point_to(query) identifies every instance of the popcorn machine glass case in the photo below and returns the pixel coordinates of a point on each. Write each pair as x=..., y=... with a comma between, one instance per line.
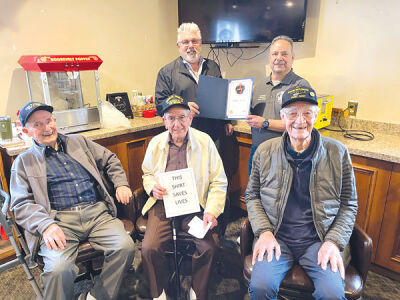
x=70, y=84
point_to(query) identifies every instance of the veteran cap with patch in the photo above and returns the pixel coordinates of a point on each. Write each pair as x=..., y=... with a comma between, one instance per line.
x=172, y=101
x=29, y=108
x=299, y=93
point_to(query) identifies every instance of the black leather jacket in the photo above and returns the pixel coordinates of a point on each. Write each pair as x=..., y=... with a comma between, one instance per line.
x=175, y=78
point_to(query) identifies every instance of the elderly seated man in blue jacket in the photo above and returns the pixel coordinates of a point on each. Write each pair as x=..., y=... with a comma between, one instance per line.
x=60, y=196
x=178, y=148
x=302, y=203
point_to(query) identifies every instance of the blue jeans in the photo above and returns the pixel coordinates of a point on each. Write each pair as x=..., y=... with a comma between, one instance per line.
x=267, y=276
x=253, y=149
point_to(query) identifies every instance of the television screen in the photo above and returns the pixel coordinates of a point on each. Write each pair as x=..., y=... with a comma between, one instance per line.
x=248, y=21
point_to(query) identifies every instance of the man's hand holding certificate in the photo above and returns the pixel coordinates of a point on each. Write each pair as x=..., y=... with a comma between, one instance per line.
x=224, y=99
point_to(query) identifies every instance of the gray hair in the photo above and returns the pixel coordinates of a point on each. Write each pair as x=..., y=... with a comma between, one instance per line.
x=283, y=38
x=189, y=27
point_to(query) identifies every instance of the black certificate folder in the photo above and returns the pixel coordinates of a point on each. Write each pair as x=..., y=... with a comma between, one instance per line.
x=224, y=99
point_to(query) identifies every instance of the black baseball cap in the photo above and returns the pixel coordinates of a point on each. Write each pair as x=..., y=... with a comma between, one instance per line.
x=173, y=101
x=29, y=108
x=299, y=93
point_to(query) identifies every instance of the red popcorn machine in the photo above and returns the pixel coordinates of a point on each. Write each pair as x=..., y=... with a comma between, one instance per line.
x=69, y=83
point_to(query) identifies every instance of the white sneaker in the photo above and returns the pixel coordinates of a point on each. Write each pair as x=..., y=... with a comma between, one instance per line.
x=90, y=297
x=163, y=296
x=192, y=294
x=86, y=296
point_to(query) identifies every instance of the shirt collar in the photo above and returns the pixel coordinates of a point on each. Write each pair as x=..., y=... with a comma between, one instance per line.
x=185, y=141
x=307, y=153
x=285, y=80
x=190, y=69
x=60, y=142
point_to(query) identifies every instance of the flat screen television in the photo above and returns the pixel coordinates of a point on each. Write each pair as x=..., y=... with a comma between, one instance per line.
x=245, y=21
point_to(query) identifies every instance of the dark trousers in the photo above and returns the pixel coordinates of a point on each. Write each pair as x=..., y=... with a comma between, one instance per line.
x=156, y=239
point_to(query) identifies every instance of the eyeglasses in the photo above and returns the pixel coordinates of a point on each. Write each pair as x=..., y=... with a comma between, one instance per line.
x=187, y=42
x=294, y=114
x=40, y=125
x=171, y=119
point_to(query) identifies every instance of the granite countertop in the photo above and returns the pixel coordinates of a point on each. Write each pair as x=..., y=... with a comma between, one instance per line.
x=383, y=147
x=137, y=124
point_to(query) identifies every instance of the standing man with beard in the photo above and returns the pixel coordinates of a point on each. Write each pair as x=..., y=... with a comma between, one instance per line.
x=181, y=77
x=265, y=119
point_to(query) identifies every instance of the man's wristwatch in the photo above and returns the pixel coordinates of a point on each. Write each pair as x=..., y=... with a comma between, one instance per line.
x=265, y=124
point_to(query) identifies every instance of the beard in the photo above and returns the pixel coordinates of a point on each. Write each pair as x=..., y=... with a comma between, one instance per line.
x=192, y=55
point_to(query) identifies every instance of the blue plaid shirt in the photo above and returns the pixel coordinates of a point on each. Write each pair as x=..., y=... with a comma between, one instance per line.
x=68, y=183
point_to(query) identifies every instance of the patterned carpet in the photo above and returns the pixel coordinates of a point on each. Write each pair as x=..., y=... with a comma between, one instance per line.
x=226, y=282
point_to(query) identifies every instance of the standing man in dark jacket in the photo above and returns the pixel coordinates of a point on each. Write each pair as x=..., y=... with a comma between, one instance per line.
x=302, y=203
x=181, y=77
x=265, y=119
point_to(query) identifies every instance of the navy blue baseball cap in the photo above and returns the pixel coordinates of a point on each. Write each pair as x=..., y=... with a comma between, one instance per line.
x=173, y=101
x=29, y=108
x=299, y=93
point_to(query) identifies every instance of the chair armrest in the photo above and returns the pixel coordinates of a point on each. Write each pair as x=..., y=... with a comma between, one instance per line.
x=4, y=201
x=139, y=198
x=246, y=239
x=361, y=250
x=126, y=211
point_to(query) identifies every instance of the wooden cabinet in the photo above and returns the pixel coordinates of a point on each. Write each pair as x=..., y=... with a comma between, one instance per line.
x=131, y=154
x=372, y=181
x=130, y=149
x=238, y=153
x=388, y=252
x=378, y=190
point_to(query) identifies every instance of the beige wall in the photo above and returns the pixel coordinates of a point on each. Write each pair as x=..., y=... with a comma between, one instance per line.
x=134, y=38
x=346, y=51
x=351, y=51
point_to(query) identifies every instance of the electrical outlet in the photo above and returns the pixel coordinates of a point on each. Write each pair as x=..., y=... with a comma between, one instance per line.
x=352, y=107
x=339, y=112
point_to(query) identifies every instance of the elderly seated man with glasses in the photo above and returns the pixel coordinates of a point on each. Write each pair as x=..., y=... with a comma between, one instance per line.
x=302, y=203
x=60, y=197
x=177, y=148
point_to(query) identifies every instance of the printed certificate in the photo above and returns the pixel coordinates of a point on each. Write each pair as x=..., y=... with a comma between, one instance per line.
x=224, y=99
x=239, y=98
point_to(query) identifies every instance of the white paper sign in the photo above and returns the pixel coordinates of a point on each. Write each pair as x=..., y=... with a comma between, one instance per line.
x=197, y=229
x=182, y=196
x=239, y=98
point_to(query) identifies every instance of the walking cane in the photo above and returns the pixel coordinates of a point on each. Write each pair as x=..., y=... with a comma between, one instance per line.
x=177, y=278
